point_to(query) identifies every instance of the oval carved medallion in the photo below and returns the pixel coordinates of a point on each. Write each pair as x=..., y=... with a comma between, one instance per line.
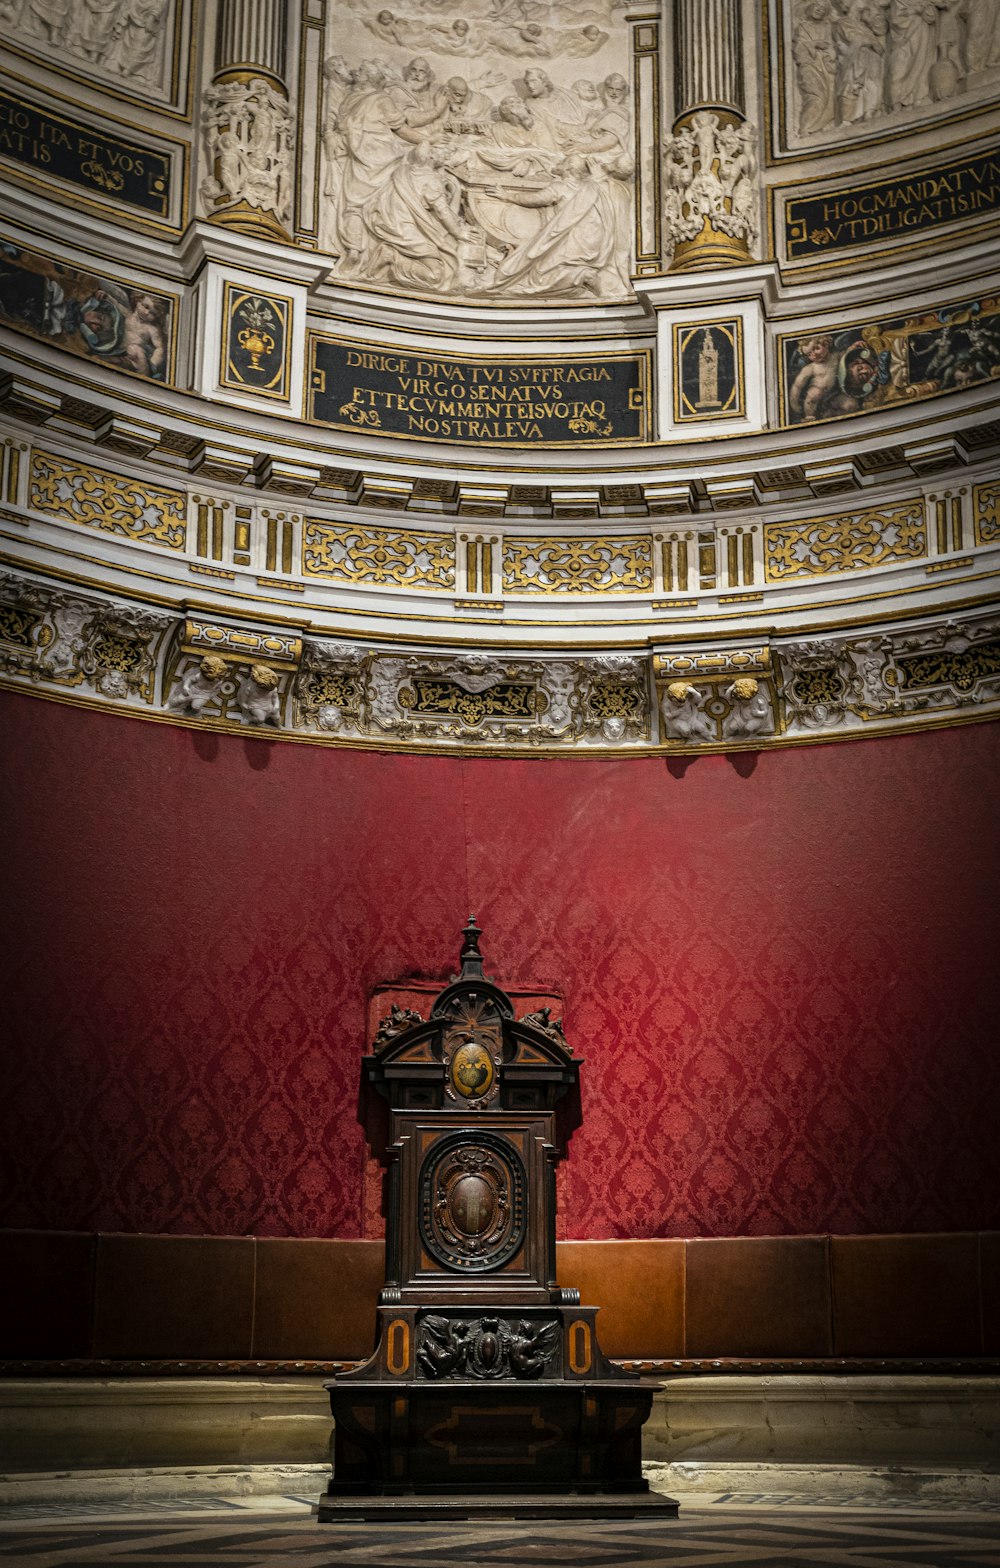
x=472, y=1201
x=472, y=1206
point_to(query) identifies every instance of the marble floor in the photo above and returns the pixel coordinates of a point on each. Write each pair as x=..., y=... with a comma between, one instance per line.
x=712, y=1531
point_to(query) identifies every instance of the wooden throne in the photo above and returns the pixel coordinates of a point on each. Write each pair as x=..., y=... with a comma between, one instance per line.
x=488, y=1392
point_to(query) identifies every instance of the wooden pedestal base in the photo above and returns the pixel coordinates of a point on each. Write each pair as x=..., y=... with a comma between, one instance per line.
x=565, y=1505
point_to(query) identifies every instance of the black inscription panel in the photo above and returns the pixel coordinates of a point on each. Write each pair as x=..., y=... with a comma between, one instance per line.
x=53, y=145
x=520, y=402
x=886, y=209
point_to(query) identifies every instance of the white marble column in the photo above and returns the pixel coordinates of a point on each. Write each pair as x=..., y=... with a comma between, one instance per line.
x=711, y=194
x=252, y=35
x=247, y=122
x=708, y=55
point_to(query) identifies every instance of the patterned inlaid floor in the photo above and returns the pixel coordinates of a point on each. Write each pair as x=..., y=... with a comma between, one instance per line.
x=711, y=1532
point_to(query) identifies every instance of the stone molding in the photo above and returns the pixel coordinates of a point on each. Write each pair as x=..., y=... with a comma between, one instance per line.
x=817, y=1419
x=680, y=699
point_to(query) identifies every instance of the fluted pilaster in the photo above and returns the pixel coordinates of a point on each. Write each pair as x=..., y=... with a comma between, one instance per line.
x=708, y=51
x=247, y=122
x=252, y=35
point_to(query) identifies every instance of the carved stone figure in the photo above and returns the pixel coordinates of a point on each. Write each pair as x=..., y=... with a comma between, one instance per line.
x=577, y=248
x=199, y=685
x=982, y=41
x=683, y=718
x=69, y=617
x=257, y=696
x=44, y=19
x=750, y=713
x=383, y=686
x=815, y=57
x=248, y=137
x=873, y=658
x=912, y=53
x=135, y=37
x=90, y=27
x=711, y=175
x=412, y=223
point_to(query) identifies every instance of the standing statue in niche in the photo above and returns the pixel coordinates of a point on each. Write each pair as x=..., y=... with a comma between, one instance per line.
x=482, y=178
x=708, y=372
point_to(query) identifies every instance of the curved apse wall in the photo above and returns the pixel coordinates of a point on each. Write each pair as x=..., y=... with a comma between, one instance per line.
x=778, y=969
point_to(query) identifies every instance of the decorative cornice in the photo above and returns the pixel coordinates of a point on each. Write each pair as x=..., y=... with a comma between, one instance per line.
x=151, y=663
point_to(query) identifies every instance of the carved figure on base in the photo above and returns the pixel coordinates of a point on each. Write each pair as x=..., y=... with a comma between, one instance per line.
x=751, y=711
x=257, y=696
x=199, y=685
x=683, y=718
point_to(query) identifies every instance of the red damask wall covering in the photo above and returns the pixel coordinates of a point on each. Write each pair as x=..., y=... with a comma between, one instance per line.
x=781, y=976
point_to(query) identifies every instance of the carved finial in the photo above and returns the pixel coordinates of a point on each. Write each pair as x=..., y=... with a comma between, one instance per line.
x=471, y=958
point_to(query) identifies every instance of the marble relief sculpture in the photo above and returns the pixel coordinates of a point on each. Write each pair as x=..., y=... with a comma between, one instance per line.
x=489, y=154
x=247, y=129
x=710, y=173
x=856, y=61
x=124, y=38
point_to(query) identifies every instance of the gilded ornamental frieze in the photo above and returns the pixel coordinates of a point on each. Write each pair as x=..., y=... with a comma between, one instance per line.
x=986, y=509
x=677, y=699
x=97, y=498
x=592, y=565
x=845, y=541
x=400, y=558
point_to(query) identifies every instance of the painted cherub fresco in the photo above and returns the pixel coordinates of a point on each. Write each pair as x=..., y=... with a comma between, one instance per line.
x=834, y=373
x=817, y=377
x=96, y=317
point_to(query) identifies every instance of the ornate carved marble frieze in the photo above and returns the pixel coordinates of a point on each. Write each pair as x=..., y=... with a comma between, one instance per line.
x=852, y=67
x=745, y=694
x=129, y=47
x=482, y=155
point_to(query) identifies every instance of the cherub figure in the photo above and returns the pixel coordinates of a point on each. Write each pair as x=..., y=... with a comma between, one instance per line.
x=751, y=711
x=144, y=343
x=199, y=685
x=257, y=696
x=683, y=718
x=817, y=378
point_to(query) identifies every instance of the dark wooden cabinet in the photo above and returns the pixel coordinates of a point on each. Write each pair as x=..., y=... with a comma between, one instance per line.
x=487, y=1390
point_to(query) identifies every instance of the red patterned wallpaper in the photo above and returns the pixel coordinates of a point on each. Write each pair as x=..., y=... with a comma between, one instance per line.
x=782, y=977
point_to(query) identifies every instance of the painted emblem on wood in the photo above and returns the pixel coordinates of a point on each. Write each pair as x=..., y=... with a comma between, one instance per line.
x=472, y=1071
